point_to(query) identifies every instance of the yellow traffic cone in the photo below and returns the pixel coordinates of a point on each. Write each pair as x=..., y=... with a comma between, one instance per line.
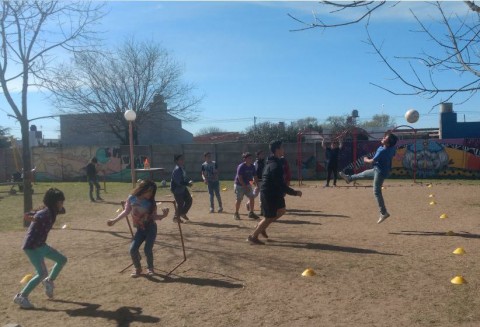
x=450, y=233
x=26, y=278
x=64, y=226
x=443, y=216
x=433, y=203
x=431, y=196
x=458, y=280
x=224, y=189
x=308, y=272
x=459, y=251
x=429, y=185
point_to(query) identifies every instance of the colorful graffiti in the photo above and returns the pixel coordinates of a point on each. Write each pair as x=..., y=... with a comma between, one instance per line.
x=69, y=163
x=450, y=158
x=437, y=158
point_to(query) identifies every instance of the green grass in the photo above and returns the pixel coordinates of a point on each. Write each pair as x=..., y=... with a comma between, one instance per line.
x=11, y=206
x=76, y=195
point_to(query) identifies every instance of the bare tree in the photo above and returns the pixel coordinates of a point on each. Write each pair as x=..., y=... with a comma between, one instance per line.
x=32, y=32
x=3, y=137
x=107, y=83
x=209, y=130
x=266, y=132
x=453, y=49
x=383, y=120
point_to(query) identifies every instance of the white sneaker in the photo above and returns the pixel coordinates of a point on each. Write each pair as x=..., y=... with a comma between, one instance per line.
x=383, y=217
x=220, y=209
x=212, y=210
x=49, y=286
x=347, y=178
x=23, y=302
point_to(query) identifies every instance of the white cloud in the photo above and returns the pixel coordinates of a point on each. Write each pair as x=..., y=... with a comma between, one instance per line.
x=392, y=11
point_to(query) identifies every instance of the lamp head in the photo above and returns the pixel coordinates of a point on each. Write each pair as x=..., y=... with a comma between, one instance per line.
x=130, y=115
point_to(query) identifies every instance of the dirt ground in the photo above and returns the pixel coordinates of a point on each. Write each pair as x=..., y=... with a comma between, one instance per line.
x=396, y=273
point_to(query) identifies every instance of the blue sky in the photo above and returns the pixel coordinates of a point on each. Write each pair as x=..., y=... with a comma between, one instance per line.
x=246, y=61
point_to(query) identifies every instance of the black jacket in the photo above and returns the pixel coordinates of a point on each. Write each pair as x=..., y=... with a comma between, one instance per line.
x=91, y=171
x=273, y=180
x=259, y=165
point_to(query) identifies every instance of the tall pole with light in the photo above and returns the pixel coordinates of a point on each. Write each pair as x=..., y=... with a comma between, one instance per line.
x=130, y=116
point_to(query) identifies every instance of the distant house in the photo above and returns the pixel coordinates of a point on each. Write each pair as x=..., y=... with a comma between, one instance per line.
x=93, y=129
x=450, y=127
x=35, y=138
x=219, y=137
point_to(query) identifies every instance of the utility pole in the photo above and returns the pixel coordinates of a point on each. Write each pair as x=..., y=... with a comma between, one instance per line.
x=254, y=128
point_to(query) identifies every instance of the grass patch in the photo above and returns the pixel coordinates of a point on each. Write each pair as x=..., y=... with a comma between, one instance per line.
x=77, y=192
x=76, y=195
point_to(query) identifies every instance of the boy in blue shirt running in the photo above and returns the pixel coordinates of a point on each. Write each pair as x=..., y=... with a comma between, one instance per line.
x=382, y=165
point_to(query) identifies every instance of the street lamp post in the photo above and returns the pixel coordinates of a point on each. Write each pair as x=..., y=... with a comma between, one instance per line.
x=130, y=116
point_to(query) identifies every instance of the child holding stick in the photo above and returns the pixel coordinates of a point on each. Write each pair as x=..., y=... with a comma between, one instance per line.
x=141, y=203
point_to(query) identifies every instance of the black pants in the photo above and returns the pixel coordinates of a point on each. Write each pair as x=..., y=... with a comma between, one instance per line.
x=92, y=183
x=332, y=169
x=184, y=202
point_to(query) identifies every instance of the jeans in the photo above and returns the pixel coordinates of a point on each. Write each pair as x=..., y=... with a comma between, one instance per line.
x=377, y=185
x=37, y=258
x=149, y=234
x=92, y=183
x=214, y=189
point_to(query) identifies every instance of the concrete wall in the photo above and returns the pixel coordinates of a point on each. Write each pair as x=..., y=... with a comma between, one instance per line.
x=454, y=158
x=451, y=128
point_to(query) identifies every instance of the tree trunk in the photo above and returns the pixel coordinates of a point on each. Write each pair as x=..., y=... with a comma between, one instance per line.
x=27, y=169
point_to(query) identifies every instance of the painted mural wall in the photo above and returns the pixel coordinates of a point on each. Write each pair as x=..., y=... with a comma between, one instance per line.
x=446, y=158
x=450, y=158
x=57, y=164
x=438, y=158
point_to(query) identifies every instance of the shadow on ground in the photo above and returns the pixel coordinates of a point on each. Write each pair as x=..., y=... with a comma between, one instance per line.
x=327, y=247
x=159, y=278
x=427, y=233
x=123, y=316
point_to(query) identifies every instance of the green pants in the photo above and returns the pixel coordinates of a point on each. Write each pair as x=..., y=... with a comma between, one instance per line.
x=37, y=258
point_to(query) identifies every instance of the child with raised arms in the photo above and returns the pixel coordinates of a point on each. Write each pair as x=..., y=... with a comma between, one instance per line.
x=143, y=208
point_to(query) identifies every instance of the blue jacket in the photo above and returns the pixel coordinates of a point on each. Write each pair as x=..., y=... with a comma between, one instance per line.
x=179, y=181
x=382, y=160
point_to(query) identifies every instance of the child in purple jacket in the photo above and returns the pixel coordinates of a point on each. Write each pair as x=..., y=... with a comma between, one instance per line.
x=36, y=248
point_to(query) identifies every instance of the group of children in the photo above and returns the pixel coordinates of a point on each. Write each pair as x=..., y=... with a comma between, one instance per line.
x=268, y=176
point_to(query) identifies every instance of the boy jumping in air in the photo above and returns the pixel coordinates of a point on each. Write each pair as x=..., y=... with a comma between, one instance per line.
x=382, y=165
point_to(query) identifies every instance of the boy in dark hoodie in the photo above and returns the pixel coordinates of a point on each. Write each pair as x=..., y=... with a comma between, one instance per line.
x=272, y=192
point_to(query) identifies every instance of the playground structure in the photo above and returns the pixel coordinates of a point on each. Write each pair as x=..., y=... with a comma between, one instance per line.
x=435, y=158
x=353, y=135
x=399, y=132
